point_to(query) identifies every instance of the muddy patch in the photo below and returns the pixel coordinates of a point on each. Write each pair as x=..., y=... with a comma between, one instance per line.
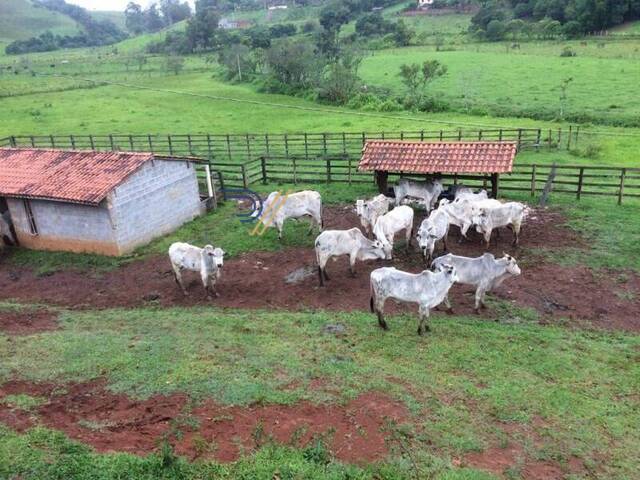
x=354, y=432
x=287, y=280
x=27, y=322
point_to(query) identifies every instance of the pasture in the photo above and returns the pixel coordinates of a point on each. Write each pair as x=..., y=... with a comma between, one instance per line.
x=108, y=371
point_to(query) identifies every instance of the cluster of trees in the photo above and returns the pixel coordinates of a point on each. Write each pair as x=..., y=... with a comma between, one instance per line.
x=155, y=17
x=96, y=32
x=499, y=19
x=374, y=24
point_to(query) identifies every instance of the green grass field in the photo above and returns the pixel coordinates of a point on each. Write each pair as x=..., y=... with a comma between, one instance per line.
x=19, y=20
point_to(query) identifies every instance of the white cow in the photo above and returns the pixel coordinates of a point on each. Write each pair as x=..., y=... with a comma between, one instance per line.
x=485, y=273
x=487, y=217
x=427, y=289
x=461, y=211
x=208, y=261
x=5, y=229
x=370, y=210
x=334, y=243
x=427, y=193
x=279, y=207
x=400, y=218
x=433, y=229
x=465, y=193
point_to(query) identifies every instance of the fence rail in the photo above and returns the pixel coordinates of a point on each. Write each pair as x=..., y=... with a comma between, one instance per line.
x=243, y=160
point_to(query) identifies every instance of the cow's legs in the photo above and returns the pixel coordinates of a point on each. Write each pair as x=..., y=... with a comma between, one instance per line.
x=279, y=225
x=444, y=241
x=408, y=234
x=516, y=233
x=480, y=296
x=487, y=239
x=321, y=275
x=378, y=307
x=423, y=327
x=177, y=275
x=447, y=304
x=352, y=264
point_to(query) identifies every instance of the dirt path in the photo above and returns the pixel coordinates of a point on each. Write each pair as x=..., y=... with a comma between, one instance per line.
x=259, y=280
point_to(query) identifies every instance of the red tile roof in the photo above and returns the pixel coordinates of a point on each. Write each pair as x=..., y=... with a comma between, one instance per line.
x=438, y=157
x=73, y=176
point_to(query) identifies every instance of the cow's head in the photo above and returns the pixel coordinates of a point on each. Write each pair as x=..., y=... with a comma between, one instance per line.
x=426, y=241
x=479, y=216
x=218, y=256
x=375, y=251
x=512, y=265
x=449, y=272
x=360, y=206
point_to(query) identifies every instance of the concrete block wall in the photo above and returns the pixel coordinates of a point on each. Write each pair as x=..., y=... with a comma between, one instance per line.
x=154, y=201
x=64, y=226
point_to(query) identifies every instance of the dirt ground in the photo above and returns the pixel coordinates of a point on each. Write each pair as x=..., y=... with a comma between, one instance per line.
x=26, y=323
x=264, y=280
x=87, y=412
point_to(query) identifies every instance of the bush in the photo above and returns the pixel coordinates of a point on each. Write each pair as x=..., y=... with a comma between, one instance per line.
x=568, y=52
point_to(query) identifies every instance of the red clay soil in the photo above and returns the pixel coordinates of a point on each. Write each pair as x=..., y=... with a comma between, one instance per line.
x=109, y=422
x=27, y=323
x=257, y=280
x=498, y=460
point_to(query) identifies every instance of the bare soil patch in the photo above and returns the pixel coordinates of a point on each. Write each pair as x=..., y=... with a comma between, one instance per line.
x=263, y=280
x=513, y=457
x=27, y=322
x=91, y=414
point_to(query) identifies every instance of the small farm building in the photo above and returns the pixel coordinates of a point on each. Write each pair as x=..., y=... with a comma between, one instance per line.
x=456, y=160
x=99, y=202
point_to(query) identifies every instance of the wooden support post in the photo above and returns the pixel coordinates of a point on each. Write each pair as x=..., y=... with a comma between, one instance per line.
x=263, y=163
x=207, y=170
x=580, y=180
x=623, y=173
x=495, y=178
x=382, y=178
x=533, y=180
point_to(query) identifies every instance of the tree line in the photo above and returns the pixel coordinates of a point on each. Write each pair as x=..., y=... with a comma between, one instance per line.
x=499, y=19
x=96, y=32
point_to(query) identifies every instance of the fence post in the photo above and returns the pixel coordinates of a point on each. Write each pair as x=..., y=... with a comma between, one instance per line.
x=93, y=146
x=623, y=173
x=575, y=142
x=580, y=179
x=33, y=141
x=328, y=170
x=344, y=144
x=533, y=180
x=422, y=135
x=266, y=143
x=549, y=138
x=111, y=142
x=189, y=143
x=538, y=138
x=150, y=141
x=480, y=135
x=324, y=143
x=209, y=148
x=295, y=170
x=248, y=147
x=349, y=168
x=12, y=141
x=519, y=138
x=459, y=134
x=286, y=146
x=559, y=137
x=306, y=146
x=244, y=176
x=500, y=135
x=263, y=163
x=53, y=142
x=73, y=142
x=569, y=138
x=170, y=145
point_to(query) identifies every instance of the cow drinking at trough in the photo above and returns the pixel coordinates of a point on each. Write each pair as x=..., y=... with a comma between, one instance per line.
x=432, y=229
x=208, y=261
x=333, y=243
x=400, y=218
x=427, y=193
x=369, y=211
x=485, y=273
x=427, y=289
x=279, y=207
x=487, y=218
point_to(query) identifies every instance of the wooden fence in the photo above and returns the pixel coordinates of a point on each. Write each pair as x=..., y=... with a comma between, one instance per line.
x=243, y=160
x=240, y=147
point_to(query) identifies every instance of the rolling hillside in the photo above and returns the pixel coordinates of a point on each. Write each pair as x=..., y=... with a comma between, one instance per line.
x=19, y=20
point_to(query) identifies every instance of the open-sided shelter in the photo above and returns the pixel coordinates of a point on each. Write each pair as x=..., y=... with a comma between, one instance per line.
x=99, y=202
x=459, y=160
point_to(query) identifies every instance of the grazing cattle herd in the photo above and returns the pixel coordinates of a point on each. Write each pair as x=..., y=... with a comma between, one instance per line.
x=459, y=206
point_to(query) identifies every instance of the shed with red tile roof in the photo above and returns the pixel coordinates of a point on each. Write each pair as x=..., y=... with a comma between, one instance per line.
x=99, y=202
x=442, y=159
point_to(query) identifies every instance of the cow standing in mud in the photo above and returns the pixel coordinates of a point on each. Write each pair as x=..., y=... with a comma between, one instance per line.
x=279, y=207
x=207, y=261
x=489, y=217
x=485, y=273
x=334, y=243
x=427, y=289
x=398, y=219
x=433, y=229
x=371, y=210
x=426, y=193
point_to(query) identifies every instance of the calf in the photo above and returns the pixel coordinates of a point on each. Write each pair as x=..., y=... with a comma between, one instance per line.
x=426, y=192
x=432, y=229
x=509, y=214
x=208, y=261
x=400, y=218
x=485, y=273
x=333, y=243
x=427, y=289
x=371, y=210
x=277, y=208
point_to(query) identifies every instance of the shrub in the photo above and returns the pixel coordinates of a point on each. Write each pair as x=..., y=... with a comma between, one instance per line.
x=568, y=52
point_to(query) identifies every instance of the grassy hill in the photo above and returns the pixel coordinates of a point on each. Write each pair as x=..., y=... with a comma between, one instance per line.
x=20, y=19
x=114, y=16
